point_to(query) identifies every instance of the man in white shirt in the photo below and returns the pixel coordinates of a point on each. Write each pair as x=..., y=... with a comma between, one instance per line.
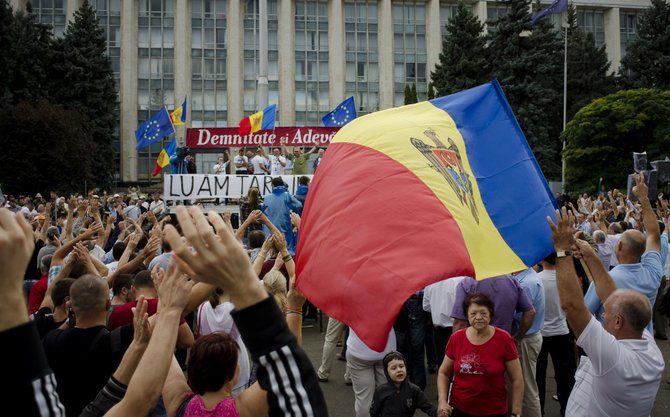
x=241, y=162
x=260, y=163
x=277, y=163
x=623, y=370
x=220, y=167
x=438, y=300
x=157, y=205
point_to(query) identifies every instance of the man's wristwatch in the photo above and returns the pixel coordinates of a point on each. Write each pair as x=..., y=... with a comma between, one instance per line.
x=515, y=415
x=559, y=254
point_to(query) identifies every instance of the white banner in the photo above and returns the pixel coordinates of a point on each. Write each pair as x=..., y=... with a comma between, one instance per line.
x=195, y=186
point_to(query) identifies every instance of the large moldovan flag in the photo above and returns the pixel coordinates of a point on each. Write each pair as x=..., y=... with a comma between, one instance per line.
x=413, y=195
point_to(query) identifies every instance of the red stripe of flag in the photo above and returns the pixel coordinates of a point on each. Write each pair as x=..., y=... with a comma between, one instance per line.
x=372, y=273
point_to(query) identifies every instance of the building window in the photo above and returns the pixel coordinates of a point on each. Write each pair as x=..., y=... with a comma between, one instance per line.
x=409, y=48
x=448, y=9
x=362, y=57
x=209, y=92
x=155, y=65
x=51, y=13
x=592, y=21
x=627, y=28
x=252, y=55
x=311, y=62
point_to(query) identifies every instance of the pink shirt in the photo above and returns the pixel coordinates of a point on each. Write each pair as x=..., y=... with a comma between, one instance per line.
x=225, y=408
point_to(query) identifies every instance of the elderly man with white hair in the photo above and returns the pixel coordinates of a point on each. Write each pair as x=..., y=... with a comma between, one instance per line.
x=623, y=370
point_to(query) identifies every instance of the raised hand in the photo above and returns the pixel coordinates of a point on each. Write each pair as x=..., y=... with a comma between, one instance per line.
x=562, y=233
x=295, y=220
x=640, y=190
x=215, y=258
x=142, y=332
x=91, y=232
x=174, y=289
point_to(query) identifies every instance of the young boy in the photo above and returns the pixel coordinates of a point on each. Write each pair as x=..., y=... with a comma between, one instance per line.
x=398, y=397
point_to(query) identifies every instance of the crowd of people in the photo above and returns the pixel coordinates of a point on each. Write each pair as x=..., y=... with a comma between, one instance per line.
x=112, y=306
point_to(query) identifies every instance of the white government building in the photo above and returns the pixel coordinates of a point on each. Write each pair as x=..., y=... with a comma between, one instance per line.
x=320, y=52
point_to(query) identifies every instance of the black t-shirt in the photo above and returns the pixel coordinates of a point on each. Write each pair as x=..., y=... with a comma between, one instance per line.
x=44, y=319
x=83, y=360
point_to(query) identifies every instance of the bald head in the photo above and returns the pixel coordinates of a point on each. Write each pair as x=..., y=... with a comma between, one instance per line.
x=89, y=294
x=633, y=243
x=634, y=307
x=599, y=236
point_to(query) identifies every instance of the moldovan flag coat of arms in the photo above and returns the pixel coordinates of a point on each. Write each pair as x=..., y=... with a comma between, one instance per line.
x=414, y=195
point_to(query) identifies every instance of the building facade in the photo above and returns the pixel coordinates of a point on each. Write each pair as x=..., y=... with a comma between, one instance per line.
x=320, y=52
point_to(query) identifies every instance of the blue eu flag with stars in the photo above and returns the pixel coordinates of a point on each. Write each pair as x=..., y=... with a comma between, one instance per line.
x=343, y=114
x=154, y=129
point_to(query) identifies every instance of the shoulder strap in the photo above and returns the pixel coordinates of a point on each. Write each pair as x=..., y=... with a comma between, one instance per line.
x=181, y=411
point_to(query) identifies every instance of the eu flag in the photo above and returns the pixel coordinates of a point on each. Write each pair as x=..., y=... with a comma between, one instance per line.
x=343, y=114
x=558, y=6
x=154, y=129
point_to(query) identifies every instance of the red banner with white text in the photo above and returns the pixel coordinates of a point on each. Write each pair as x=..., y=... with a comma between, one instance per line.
x=229, y=137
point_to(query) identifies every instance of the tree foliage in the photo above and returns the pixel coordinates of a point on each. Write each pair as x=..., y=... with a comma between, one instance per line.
x=602, y=136
x=90, y=87
x=527, y=60
x=463, y=60
x=44, y=148
x=410, y=94
x=70, y=78
x=647, y=60
x=588, y=67
x=29, y=58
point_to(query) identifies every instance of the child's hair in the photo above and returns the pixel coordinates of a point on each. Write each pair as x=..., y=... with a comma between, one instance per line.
x=275, y=283
x=391, y=356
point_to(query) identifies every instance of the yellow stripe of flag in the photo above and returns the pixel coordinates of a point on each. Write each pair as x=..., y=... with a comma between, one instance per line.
x=405, y=130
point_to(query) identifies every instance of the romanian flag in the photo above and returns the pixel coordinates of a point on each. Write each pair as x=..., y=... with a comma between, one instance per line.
x=262, y=120
x=178, y=115
x=413, y=195
x=163, y=159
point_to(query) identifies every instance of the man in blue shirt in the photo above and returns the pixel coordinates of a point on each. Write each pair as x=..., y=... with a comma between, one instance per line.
x=277, y=207
x=640, y=266
x=531, y=344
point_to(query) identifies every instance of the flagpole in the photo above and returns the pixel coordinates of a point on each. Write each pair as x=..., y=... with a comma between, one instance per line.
x=565, y=103
x=263, y=54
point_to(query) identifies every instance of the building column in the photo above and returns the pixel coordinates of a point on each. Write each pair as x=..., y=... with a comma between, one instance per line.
x=182, y=62
x=479, y=10
x=286, y=41
x=336, y=46
x=385, y=41
x=71, y=6
x=235, y=62
x=18, y=5
x=613, y=38
x=433, y=35
x=128, y=89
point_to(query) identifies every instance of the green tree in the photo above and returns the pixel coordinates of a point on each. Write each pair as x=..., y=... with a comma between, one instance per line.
x=89, y=89
x=463, y=60
x=647, y=60
x=528, y=62
x=29, y=59
x=410, y=94
x=588, y=67
x=6, y=49
x=44, y=148
x=430, y=94
x=602, y=136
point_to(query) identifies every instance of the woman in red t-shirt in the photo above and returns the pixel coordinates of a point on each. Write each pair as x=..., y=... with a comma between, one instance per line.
x=471, y=380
